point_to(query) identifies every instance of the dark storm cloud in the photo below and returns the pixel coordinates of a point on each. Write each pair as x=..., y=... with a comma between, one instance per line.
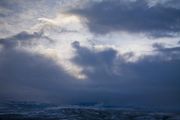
x=152, y=80
x=23, y=75
x=88, y=57
x=137, y=16
x=31, y=76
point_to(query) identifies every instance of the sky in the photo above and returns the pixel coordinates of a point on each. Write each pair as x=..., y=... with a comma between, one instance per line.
x=115, y=52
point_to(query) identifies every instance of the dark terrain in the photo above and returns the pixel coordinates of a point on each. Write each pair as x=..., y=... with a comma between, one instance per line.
x=36, y=111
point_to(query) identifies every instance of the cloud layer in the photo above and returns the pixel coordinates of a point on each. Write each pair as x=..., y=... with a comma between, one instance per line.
x=75, y=54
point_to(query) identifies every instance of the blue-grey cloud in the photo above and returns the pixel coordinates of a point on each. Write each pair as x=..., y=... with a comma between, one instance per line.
x=171, y=52
x=32, y=76
x=152, y=80
x=23, y=38
x=137, y=16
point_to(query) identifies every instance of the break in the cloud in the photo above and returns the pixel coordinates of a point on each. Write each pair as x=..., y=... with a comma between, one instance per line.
x=117, y=52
